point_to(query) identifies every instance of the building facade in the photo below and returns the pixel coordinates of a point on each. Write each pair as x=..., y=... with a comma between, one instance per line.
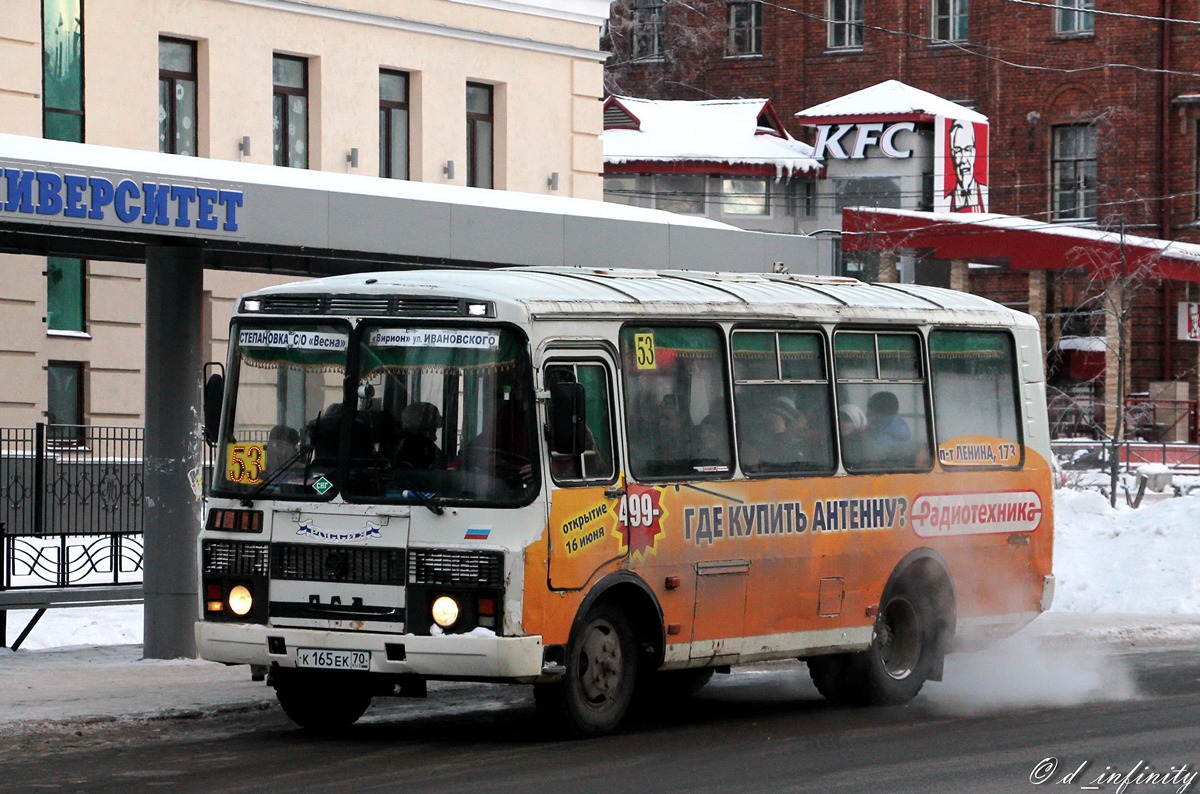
x=502, y=95
x=1094, y=120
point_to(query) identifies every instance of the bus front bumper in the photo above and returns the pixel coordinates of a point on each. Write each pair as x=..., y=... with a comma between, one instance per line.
x=474, y=656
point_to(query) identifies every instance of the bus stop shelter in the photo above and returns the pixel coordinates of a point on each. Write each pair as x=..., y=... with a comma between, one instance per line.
x=181, y=215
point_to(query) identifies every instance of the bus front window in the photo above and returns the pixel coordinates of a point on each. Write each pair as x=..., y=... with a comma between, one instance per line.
x=451, y=414
x=285, y=411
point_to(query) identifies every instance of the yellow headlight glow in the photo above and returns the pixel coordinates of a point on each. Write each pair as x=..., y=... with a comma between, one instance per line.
x=240, y=600
x=445, y=611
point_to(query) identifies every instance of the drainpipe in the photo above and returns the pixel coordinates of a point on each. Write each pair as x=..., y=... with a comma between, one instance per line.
x=1164, y=169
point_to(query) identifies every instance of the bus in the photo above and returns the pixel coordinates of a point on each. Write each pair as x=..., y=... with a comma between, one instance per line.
x=610, y=484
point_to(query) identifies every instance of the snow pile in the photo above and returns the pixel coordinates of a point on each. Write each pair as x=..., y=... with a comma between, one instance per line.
x=1144, y=561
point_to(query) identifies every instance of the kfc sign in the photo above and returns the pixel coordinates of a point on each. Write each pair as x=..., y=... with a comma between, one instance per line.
x=960, y=165
x=1189, y=322
x=851, y=141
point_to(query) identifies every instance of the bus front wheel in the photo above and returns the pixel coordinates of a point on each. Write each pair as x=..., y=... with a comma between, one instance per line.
x=903, y=654
x=320, y=703
x=598, y=685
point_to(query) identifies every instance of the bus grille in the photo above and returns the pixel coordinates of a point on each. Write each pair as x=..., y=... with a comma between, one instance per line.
x=235, y=558
x=456, y=568
x=362, y=305
x=300, y=562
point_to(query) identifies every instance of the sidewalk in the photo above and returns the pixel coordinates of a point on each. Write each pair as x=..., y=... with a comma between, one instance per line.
x=100, y=683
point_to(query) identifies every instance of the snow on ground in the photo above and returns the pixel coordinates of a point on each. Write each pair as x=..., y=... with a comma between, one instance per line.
x=1108, y=562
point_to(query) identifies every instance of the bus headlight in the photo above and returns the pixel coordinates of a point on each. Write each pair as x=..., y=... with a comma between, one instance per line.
x=445, y=611
x=240, y=600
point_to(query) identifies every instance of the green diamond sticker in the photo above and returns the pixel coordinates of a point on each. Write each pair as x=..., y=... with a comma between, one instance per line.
x=322, y=485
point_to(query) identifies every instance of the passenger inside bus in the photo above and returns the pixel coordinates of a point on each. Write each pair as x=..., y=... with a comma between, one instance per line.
x=283, y=444
x=417, y=447
x=888, y=435
x=852, y=422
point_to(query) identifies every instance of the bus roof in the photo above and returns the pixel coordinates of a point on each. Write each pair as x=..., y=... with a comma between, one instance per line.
x=564, y=292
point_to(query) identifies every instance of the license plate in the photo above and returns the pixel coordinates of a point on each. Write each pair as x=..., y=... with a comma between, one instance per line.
x=333, y=660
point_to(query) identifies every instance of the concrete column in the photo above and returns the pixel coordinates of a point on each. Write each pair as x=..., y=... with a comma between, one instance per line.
x=960, y=275
x=174, y=294
x=1037, y=300
x=888, y=272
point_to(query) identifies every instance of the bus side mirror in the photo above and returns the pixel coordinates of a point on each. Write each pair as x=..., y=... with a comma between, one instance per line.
x=214, y=389
x=568, y=419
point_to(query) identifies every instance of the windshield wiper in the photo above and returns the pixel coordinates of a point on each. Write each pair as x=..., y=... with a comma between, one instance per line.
x=248, y=499
x=429, y=500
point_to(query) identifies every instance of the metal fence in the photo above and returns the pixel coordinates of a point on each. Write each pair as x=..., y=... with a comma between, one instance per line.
x=71, y=500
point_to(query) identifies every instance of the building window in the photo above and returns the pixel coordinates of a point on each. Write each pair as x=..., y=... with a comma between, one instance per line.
x=745, y=27
x=950, y=20
x=64, y=401
x=801, y=198
x=745, y=196
x=480, y=125
x=623, y=189
x=845, y=23
x=862, y=265
x=62, y=70
x=682, y=193
x=868, y=191
x=1073, y=170
x=393, y=124
x=291, y=111
x=649, y=19
x=1075, y=16
x=177, y=96
x=65, y=292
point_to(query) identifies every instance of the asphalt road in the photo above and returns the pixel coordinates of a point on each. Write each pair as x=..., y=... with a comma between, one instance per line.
x=1075, y=720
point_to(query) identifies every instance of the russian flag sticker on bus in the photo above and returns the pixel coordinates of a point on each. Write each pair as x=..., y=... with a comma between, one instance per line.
x=477, y=533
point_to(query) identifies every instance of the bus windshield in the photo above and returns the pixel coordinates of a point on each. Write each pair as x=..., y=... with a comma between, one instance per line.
x=437, y=415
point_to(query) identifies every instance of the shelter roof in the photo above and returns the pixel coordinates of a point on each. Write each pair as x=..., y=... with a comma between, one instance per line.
x=1016, y=242
x=890, y=100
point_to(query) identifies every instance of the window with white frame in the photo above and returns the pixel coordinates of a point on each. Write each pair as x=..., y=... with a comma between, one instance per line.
x=845, y=23
x=683, y=193
x=950, y=20
x=745, y=195
x=1073, y=171
x=745, y=28
x=649, y=17
x=1075, y=16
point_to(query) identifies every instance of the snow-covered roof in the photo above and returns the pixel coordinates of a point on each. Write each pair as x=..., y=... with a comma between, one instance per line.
x=732, y=131
x=889, y=98
x=1087, y=344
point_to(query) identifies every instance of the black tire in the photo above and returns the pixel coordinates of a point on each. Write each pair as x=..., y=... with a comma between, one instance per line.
x=905, y=649
x=319, y=703
x=597, y=688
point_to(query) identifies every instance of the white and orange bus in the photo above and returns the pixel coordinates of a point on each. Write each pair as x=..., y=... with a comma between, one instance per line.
x=606, y=482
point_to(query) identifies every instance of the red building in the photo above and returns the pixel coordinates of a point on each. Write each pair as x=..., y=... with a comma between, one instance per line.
x=1094, y=121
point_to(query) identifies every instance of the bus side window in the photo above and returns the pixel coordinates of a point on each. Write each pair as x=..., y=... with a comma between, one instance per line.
x=596, y=460
x=781, y=397
x=882, y=418
x=976, y=400
x=676, y=404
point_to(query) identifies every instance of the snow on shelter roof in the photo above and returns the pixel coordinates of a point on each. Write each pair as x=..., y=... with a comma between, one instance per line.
x=734, y=131
x=889, y=98
x=566, y=292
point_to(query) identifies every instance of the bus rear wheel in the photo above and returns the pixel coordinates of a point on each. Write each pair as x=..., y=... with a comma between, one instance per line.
x=903, y=654
x=318, y=702
x=598, y=686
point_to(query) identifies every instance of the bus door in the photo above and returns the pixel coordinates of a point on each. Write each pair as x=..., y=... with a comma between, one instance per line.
x=581, y=466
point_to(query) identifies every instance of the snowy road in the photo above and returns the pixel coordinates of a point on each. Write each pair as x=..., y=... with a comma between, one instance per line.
x=764, y=728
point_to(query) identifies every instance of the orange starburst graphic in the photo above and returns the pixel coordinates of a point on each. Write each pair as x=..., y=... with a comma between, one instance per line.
x=640, y=521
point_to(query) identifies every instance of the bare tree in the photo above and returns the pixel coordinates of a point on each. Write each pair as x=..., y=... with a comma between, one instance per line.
x=661, y=49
